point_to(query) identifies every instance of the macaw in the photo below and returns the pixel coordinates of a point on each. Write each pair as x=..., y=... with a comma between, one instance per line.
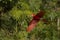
x=35, y=20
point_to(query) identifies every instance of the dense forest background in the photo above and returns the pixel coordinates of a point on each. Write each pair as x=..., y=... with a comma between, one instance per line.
x=15, y=16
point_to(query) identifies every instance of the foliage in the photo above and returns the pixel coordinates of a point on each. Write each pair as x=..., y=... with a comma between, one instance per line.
x=15, y=16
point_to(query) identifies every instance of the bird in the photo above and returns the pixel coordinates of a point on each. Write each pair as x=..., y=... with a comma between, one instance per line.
x=35, y=20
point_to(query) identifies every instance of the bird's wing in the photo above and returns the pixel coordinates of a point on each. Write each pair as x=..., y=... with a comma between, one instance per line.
x=32, y=25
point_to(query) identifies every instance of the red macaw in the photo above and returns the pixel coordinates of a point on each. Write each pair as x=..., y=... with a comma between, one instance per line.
x=35, y=20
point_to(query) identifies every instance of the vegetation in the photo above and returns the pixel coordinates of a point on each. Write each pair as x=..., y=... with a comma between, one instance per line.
x=15, y=16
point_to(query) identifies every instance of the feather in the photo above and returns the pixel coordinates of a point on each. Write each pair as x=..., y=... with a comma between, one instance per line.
x=35, y=20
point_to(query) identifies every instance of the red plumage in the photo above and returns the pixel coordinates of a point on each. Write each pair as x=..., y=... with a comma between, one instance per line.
x=35, y=19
